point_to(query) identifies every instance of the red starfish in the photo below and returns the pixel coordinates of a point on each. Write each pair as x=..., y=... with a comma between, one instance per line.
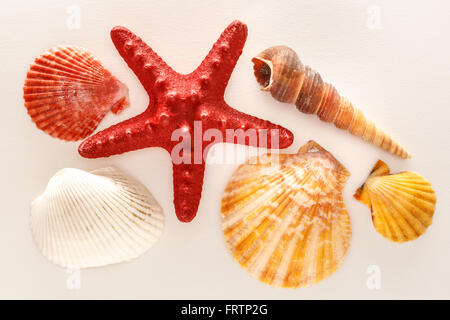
x=178, y=101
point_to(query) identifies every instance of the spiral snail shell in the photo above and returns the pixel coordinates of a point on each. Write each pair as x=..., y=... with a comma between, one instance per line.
x=280, y=71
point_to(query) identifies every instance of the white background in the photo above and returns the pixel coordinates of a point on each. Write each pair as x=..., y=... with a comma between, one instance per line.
x=399, y=75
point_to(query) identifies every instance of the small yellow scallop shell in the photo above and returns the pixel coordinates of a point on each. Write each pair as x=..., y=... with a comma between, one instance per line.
x=402, y=204
x=284, y=218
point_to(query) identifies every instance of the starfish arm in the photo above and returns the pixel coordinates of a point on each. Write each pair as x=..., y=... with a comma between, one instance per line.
x=245, y=129
x=145, y=63
x=187, y=189
x=221, y=59
x=132, y=134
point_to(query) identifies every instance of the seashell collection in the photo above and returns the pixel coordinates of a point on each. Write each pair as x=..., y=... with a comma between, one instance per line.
x=280, y=71
x=283, y=215
x=92, y=219
x=284, y=220
x=402, y=204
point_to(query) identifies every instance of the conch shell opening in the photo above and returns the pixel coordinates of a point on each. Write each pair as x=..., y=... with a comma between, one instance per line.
x=263, y=73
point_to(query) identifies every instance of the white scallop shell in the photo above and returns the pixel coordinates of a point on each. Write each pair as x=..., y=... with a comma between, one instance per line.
x=91, y=219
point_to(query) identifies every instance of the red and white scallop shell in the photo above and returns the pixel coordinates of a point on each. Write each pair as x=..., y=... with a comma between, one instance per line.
x=68, y=92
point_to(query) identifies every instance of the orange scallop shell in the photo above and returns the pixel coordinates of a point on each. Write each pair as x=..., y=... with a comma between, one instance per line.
x=67, y=93
x=284, y=217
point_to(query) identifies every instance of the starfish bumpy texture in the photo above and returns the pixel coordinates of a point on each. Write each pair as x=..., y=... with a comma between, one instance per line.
x=181, y=102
